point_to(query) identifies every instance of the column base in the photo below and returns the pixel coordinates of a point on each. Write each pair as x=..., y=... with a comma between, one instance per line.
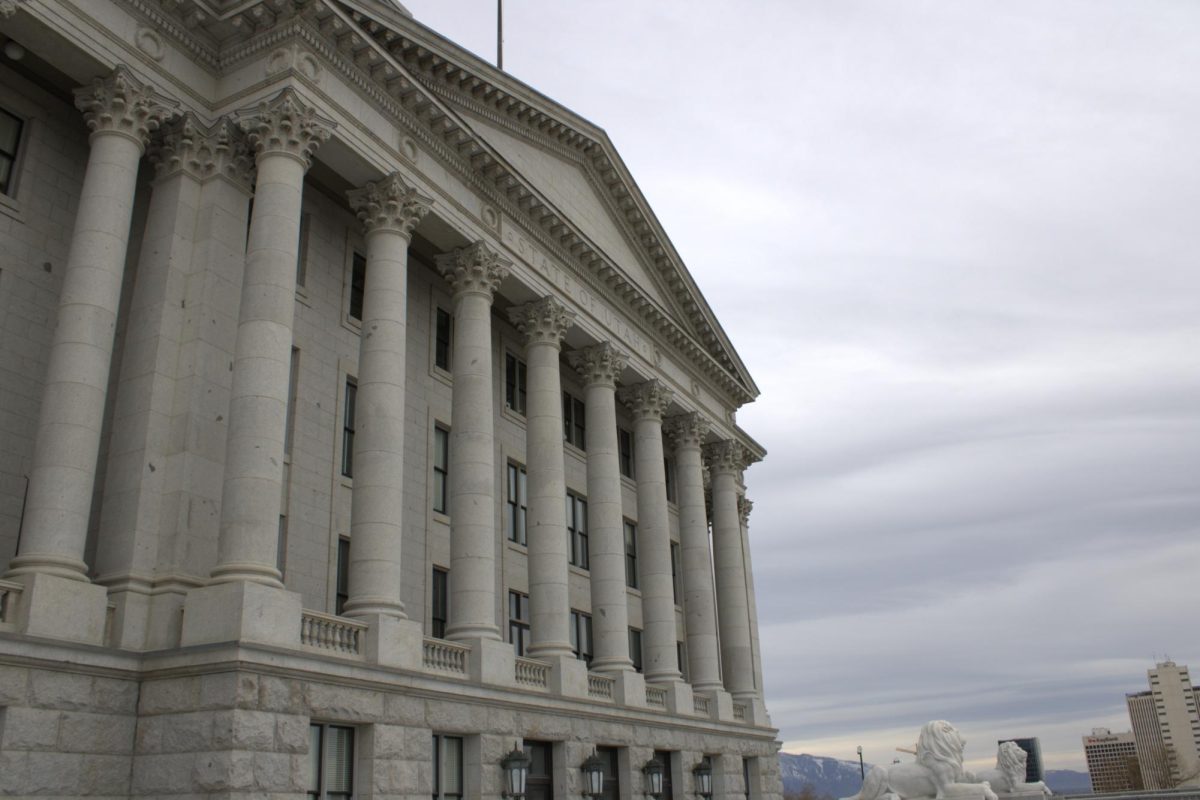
x=720, y=705
x=241, y=612
x=630, y=689
x=568, y=676
x=62, y=608
x=491, y=662
x=679, y=697
x=394, y=642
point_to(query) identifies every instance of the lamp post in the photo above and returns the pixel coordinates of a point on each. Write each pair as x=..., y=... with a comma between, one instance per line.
x=702, y=773
x=653, y=771
x=862, y=770
x=593, y=775
x=516, y=770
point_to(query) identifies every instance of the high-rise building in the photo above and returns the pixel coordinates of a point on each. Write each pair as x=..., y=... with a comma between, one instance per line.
x=1166, y=728
x=1112, y=761
x=312, y=323
x=1032, y=746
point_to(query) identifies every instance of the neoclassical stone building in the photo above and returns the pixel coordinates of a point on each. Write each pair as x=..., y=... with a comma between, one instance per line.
x=313, y=325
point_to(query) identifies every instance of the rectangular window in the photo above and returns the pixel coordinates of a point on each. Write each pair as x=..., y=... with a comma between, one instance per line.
x=302, y=254
x=518, y=621
x=343, y=574
x=438, y=602
x=348, y=428
x=517, y=504
x=281, y=545
x=677, y=572
x=574, y=431
x=10, y=138
x=746, y=776
x=514, y=383
x=666, y=758
x=612, y=781
x=631, y=568
x=625, y=452
x=681, y=657
x=539, y=782
x=581, y=636
x=330, y=762
x=289, y=434
x=577, y=530
x=669, y=474
x=447, y=767
x=441, y=467
x=358, y=285
x=441, y=340
x=635, y=648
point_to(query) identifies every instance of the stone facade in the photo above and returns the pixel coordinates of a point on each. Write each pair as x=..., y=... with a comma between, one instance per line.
x=312, y=323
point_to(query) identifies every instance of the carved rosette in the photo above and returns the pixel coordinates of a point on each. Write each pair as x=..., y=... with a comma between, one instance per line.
x=599, y=365
x=647, y=400
x=687, y=430
x=726, y=456
x=219, y=151
x=122, y=104
x=474, y=269
x=284, y=125
x=745, y=506
x=544, y=321
x=389, y=205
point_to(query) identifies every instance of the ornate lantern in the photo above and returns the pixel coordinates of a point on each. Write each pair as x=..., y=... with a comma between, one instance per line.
x=593, y=776
x=653, y=770
x=516, y=770
x=702, y=772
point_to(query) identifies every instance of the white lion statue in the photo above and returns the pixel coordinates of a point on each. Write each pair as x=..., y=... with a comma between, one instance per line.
x=937, y=772
x=1009, y=775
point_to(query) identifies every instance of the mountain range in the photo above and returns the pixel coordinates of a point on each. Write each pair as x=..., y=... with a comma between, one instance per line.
x=832, y=777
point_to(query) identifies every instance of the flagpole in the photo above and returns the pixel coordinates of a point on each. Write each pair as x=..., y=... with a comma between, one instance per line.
x=499, y=34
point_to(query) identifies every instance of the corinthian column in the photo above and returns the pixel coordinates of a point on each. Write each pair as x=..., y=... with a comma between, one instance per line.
x=600, y=366
x=120, y=112
x=726, y=460
x=648, y=401
x=389, y=210
x=474, y=273
x=744, y=508
x=284, y=133
x=544, y=323
x=687, y=432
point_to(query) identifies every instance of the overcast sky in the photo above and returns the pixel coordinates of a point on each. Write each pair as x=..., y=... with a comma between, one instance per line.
x=956, y=244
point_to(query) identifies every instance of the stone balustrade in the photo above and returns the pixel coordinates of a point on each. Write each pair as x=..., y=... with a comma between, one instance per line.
x=600, y=687
x=443, y=656
x=656, y=697
x=327, y=632
x=533, y=673
x=700, y=705
x=739, y=712
x=10, y=595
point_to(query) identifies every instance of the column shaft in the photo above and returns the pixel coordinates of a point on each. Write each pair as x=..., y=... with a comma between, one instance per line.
x=732, y=600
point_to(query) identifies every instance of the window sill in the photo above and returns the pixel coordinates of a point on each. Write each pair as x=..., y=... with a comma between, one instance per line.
x=11, y=207
x=512, y=415
x=580, y=571
x=438, y=516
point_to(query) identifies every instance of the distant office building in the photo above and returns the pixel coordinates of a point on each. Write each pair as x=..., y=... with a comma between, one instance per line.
x=1112, y=761
x=1033, y=763
x=1166, y=728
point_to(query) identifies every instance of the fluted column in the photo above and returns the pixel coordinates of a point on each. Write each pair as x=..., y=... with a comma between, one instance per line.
x=744, y=508
x=600, y=365
x=120, y=112
x=284, y=133
x=389, y=210
x=544, y=323
x=687, y=432
x=648, y=401
x=726, y=460
x=474, y=274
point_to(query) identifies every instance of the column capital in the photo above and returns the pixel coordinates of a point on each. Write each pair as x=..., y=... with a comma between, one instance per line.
x=219, y=150
x=745, y=505
x=726, y=456
x=123, y=105
x=648, y=399
x=285, y=125
x=474, y=269
x=600, y=364
x=389, y=204
x=687, y=430
x=544, y=321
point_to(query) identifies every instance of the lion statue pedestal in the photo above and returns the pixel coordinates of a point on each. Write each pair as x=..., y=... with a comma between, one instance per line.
x=937, y=773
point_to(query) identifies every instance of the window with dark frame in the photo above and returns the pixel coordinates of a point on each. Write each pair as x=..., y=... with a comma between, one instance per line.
x=518, y=621
x=447, y=767
x=625, y=452
x=677, y=572
x=631, y=566
x=289, y=431
x=666, y=758
x=574, y=429
x=517, y=503
x=358, y=284
x=330, y=762
x=539, y=781
x=669, y=475
x=514, y=383
x=612, y=780
x=441, y=468
x=577, y=530
x=10, y=140
x=681, y=657
x=302, y=253
x=441, y=339
x=439, y=603
x=343, y=575
x=581, y=636
x=746, y=776
x=348, y=428
x=635, y=648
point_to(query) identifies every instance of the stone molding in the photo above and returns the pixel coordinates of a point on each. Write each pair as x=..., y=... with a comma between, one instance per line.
x=600, y=364
x=285, y=125
x=745, y=506
x=726, y=456
x=9, y=7
x=544, y=321
x=474, y=269
x=647, y=400
x=122, y=104
x=687, y=430
x=389, y=204
x=204, y=152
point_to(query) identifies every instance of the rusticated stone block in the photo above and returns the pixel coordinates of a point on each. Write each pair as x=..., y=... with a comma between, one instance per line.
x=117, y=696
x=185, y=733
x=229, y=690
x=166, y=773
x=54, y=773
x=389, y=741
x=173, y=694
x=244, y=730
x=403, y=709
x=30, y=729
x=277, y=694
x=14, y=686
x=81, y=732
x=291, y=733
x=105, y=775
x=342, y=703
x=221, y=771
x=61, y=690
